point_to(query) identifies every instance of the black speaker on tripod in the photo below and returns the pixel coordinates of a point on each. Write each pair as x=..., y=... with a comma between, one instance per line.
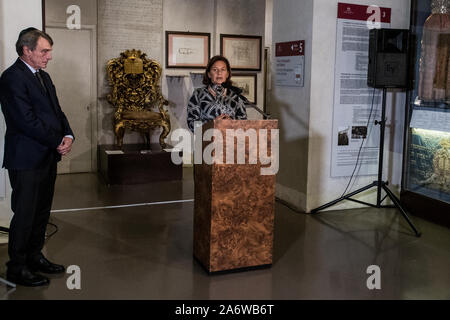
x=388, y=68
x=388, y=58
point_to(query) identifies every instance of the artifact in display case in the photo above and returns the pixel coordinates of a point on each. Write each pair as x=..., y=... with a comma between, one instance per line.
x=429, y=163
x=434, y=79
x=426, y=176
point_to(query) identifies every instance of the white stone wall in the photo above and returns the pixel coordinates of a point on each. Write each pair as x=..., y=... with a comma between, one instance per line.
x=292, y=20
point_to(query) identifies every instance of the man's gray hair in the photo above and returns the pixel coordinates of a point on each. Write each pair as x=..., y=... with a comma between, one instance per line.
x=29, y=38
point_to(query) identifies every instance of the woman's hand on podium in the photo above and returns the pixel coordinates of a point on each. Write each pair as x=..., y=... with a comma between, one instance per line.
x=223, y=117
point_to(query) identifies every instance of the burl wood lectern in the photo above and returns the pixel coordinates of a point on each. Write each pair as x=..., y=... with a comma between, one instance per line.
x=234, y=205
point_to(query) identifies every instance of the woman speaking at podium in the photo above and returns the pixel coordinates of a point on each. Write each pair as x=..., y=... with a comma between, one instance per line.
x=218, y=97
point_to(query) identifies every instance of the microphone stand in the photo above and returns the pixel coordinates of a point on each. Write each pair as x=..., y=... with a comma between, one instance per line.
x=251, y=105
x=238, y=91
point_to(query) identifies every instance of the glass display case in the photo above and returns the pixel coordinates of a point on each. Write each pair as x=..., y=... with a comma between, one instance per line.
x=426, y=167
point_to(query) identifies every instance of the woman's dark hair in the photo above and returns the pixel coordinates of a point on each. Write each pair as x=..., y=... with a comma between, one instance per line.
x=29, y=37
x=207, y=80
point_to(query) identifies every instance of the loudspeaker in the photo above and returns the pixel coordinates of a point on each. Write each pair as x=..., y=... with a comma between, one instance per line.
x=388, y=58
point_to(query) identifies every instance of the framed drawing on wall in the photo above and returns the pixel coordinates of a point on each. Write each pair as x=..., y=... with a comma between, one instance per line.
x=187, y=49
x=243, y=52
x=246, y=82
x=43, y=14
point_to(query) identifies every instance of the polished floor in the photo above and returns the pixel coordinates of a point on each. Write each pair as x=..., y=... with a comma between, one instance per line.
x=135, y=242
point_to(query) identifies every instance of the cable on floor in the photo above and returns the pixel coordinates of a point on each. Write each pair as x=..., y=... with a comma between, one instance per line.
x=361, y=146
x=48, y=236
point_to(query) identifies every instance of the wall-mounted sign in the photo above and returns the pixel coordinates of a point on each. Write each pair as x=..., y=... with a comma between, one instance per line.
x=290, y=63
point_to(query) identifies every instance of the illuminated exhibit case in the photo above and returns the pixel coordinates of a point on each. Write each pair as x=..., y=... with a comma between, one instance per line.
x=426, y=166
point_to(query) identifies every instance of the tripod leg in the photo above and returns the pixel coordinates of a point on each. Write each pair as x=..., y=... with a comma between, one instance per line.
x=329, y=204
x=400, y=208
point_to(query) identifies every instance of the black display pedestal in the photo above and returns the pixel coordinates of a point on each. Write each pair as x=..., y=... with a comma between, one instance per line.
x=136, y=164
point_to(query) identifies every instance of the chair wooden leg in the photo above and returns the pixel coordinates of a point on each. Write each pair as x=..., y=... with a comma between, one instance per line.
x=119, y=131
x=164, y=133
x=147, y=135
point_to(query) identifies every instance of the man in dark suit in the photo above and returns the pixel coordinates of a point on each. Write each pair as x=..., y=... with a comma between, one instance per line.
x=37, y=135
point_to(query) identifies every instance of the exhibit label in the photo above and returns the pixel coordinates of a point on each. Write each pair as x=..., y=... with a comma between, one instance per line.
x=290, y=63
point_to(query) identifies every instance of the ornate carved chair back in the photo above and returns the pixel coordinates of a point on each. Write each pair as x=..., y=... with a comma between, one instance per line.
x=136, y=96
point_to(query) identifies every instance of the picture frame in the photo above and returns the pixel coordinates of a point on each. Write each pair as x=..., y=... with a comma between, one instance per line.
x=43, y=14
x=243, y=52
x=248, y=83
x=189, y=50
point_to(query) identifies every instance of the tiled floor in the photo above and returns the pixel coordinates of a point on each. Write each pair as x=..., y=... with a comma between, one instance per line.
x=145, y=251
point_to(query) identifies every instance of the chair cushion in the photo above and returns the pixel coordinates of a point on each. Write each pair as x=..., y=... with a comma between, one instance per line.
x=141, y=115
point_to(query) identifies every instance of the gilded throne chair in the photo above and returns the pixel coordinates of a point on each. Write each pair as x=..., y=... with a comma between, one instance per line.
x=136, y=96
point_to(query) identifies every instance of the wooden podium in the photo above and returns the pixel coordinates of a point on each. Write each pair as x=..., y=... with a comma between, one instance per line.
x=234, y=206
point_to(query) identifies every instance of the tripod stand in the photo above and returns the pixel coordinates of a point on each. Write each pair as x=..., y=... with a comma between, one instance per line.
x=3, y=229
x=379, y=184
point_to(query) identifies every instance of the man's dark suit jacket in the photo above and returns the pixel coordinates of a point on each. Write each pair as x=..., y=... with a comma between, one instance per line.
x=35, y=123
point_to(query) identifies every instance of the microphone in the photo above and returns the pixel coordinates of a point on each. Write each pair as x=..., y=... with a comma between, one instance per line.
x=238, y=92
x=218, y=89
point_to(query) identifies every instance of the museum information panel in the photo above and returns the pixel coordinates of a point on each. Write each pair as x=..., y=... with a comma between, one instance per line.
x=354, y=101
